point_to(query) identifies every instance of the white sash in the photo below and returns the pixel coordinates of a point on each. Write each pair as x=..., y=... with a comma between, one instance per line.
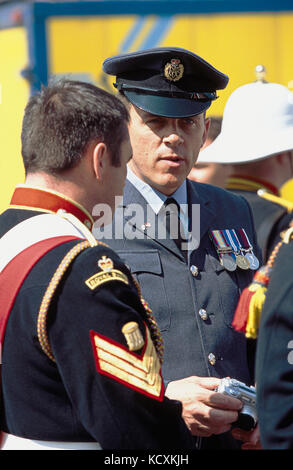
x=36, y=229
x=11, y=442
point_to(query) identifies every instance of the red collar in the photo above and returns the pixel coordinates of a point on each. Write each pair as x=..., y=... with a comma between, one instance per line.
x=43, y=200
x=248, y=183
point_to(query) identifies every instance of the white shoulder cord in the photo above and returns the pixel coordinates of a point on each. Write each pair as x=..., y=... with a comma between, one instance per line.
x=79, y=225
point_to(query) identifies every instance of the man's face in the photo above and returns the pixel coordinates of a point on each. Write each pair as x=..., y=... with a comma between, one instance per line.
x=165, y=149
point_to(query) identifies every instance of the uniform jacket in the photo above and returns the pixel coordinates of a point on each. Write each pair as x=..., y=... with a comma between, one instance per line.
x=274, y=364
x=193, y=345
x=176, y=296
x=80, y=395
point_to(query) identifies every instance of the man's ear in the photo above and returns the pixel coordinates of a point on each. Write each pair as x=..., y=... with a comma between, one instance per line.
x=207, y=123
x=100, y=157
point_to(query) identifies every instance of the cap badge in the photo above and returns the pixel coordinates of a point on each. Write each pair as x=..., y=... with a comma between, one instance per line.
x=174, y=70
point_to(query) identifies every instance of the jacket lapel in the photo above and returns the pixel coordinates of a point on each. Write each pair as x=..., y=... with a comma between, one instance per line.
x=207, y=215
x=138, y=214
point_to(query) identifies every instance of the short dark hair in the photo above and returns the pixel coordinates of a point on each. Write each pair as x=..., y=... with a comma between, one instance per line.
x=63, y=118
x=124, y=99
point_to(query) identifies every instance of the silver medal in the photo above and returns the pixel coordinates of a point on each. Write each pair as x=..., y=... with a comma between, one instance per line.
x=253, y=261
x=228, y=262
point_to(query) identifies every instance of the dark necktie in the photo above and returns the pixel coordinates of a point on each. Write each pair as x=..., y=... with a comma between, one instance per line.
x=174, y=226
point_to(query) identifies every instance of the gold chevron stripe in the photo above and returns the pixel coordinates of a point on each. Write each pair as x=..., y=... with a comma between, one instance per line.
x=107, y=359
x=142, y=373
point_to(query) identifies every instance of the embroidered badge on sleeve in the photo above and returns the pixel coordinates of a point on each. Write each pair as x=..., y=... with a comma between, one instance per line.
x=106, y=274
x=141, y=372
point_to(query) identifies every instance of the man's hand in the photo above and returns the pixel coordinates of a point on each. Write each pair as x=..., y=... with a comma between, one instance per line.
x=205, y=411
x=250, y=439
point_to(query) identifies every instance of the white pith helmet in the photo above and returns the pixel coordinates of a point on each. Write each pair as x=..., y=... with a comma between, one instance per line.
x=257, y=122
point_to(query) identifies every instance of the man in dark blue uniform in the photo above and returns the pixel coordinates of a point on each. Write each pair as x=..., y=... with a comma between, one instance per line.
x=274, y=364
x=81, y=352
x=191, y=278
x=257, y=147
x=264, y=312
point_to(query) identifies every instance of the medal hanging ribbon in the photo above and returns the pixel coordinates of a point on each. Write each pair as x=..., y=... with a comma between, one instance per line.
x=233, y=241
x=253, y=261
x=241, y=261
x=224, y=249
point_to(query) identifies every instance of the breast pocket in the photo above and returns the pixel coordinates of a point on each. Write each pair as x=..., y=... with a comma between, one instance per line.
x=146, y=266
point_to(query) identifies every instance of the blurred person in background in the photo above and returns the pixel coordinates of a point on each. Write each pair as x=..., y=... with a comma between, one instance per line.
x=274, y=363
x=256, y=141
x=211, y=172
x=264, y=313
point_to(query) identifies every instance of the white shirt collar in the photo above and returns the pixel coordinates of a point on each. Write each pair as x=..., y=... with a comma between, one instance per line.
x=156, y=199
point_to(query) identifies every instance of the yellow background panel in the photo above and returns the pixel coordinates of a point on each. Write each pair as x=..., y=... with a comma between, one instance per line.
x=80, y=45
x=15, y=92
x=235, y=44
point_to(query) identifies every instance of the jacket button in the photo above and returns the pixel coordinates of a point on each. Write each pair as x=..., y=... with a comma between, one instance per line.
x=203, y=314
x=194, y=270
x=212, y=359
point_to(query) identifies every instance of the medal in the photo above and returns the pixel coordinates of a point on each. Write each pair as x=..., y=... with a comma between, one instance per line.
x=234, y=249
x=225, y=252
x=242, y=262
x=241, y=259
x=253, y=261
x=228, y=261
x=222, y=250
